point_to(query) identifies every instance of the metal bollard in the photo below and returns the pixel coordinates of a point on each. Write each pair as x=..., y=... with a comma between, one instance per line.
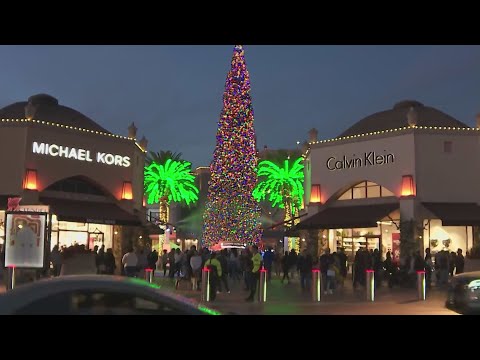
x=316, y=285
x=370, y=285
x=421, y=285
x=11, y=277
x=205, y=284
x=262, y=288
x=149, y=275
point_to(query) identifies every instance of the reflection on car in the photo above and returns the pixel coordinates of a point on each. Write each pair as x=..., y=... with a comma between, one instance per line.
x=97, y=295
x=464, y=293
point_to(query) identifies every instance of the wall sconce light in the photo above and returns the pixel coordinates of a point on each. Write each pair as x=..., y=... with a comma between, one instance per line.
x=30, y=181
x=144, y=202
x=315, y=194
x=408, y=186
x=127, y=192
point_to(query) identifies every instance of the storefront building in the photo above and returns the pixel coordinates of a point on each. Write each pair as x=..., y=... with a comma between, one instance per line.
x=411, y=172
x=89, y=180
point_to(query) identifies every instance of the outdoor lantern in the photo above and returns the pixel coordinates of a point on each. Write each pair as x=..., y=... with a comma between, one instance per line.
x=144, y=202
x=127, y=193
x=315, y=195
x=30, y=181
x=408, y=187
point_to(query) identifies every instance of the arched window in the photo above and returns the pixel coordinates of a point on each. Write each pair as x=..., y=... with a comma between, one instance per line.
x=364, y=190
x=77, y=185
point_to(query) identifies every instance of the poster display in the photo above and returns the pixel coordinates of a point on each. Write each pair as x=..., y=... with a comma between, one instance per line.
x=396, y=248
x=25, y=239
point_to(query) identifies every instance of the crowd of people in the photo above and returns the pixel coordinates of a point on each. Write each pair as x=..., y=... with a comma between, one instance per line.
x=226, y=265
x=243, y=265
x=104, y=260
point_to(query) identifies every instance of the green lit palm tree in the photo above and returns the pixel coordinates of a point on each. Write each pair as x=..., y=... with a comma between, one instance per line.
x=162, y=157
x=282, y=187
x=171, y=181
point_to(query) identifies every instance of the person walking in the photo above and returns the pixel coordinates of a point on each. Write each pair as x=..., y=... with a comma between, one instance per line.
x=326, y=261
x=56, y=260
x=110, y=265
x=222, y=259
x=428, y=268
x=459, y=262
x=255, y=274
x=152, y=259
x=286, y=267
x=164, y=262
x=268, y=258
x=215, y=268
x=196, y=265
x=305, y=265
x=129, y=262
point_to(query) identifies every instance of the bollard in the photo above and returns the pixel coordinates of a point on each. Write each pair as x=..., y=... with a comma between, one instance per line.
x=421, y=285
x=11, y=277
x=316, y=285
x=206, y=284
x=370, y=285
x=262, y=288
x=149, y=275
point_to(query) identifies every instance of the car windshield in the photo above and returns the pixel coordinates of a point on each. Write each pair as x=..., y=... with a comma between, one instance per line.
x=176, y=297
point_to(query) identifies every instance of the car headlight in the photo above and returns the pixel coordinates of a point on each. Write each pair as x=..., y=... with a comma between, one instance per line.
x=473, y=289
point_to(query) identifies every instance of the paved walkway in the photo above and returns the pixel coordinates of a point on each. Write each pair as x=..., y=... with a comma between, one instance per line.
x=286, y=299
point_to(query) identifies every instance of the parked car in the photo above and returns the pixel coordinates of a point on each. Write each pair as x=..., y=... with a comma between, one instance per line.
x=464, y=293
x=96, y=295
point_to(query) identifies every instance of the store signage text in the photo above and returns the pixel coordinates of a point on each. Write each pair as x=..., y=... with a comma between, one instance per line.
x=80, y=154
x=368, y=159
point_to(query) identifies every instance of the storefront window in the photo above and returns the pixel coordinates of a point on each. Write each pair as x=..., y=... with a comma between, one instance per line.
x=364, y=190
x=65, y=233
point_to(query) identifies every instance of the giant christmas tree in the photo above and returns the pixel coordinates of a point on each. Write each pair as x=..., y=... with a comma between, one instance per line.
x=232, y=215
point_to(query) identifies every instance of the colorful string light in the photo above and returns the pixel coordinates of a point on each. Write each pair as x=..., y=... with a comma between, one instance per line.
x=232, y=214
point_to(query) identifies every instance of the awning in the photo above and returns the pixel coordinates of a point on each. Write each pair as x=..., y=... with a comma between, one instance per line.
x=345, y=217
x=455, y=214
x=90, y=212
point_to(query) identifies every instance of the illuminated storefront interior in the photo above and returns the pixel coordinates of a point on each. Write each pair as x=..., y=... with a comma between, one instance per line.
x=65, y=233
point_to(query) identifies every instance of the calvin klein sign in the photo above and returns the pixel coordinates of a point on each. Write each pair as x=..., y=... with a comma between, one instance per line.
x=367, y=159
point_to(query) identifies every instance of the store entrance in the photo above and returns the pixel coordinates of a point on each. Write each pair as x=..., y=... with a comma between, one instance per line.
x=353, y=240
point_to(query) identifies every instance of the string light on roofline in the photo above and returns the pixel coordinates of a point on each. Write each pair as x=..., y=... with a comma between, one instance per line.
x=42, y=122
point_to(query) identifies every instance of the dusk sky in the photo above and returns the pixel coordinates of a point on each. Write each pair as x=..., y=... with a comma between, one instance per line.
x=174, y=93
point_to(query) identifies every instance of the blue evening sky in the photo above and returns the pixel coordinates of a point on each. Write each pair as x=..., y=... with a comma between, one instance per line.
x=174, y=93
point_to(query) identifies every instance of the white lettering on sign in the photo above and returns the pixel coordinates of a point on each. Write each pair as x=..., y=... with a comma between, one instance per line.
x=79, y=154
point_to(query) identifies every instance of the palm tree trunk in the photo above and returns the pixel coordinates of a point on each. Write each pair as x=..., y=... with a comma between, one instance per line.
x=288, y=214
x=164, y=217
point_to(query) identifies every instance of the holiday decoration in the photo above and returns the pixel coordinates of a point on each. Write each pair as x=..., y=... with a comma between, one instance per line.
x=282, y=187
x=232, y=215
x=172, y=181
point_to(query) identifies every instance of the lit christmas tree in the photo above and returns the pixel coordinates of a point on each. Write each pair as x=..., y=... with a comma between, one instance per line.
x=232, y=215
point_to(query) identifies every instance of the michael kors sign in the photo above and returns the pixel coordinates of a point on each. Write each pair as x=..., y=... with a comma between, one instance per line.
x=367, y=159
x=80, y=154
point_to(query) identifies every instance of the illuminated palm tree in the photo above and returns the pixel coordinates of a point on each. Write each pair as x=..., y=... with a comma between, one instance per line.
x=172, y=181
x=282, y=187
x=162, y=157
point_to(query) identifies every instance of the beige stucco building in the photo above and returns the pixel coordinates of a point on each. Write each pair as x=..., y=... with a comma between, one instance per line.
x=410, y=163
x=88, y=179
